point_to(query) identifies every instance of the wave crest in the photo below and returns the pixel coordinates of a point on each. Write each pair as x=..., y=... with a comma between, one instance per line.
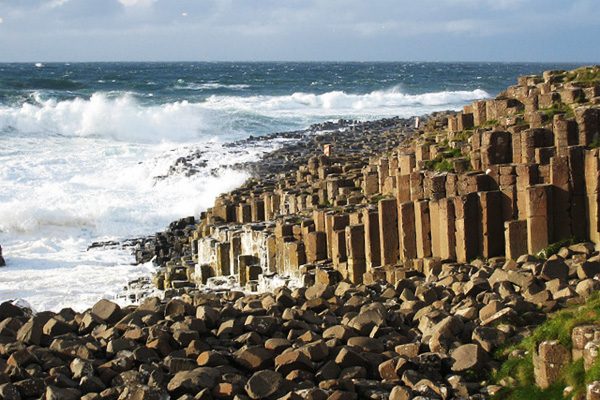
x=347, y=102
x=126, y=118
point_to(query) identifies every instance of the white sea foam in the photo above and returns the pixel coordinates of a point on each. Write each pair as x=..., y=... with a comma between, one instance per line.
x=125, y=118
x=61, y=194
x=342, y=101
x=212, y=86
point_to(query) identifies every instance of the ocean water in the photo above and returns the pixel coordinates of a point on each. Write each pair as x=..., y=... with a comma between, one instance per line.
x=82, y=146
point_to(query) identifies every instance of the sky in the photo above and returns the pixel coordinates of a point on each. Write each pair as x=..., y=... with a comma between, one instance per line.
x=300, y=30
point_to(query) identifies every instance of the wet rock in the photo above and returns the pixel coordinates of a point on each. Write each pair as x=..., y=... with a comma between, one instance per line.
x=31, y=332
x=106, y=311
x=9, y=310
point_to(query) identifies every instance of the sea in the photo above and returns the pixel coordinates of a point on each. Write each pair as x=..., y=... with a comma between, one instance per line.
x=85, y=147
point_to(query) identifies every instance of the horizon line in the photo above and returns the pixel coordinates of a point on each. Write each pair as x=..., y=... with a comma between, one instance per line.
x=587, y=63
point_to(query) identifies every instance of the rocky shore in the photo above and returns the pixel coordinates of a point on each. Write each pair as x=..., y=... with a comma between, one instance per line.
x=422, y=250
x=430, y=335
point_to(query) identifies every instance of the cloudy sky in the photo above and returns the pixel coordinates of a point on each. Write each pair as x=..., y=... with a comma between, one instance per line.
x=352, y=30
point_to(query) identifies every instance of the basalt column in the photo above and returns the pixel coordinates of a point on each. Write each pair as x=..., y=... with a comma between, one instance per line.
x=388, y=231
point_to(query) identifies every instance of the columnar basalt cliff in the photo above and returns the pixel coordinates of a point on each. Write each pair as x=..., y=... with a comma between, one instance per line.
x=504, y=177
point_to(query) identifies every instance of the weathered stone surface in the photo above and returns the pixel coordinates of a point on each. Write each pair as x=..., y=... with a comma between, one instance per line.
x=255, y=358
x=106, y=310
x=468, y=357
x=263, y=384
x=548, y=362
x=193, y=381
x=292, y=360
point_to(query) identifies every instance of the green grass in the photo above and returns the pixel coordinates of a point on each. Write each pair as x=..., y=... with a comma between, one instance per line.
x=490, y=123
x=587, y=76
x=439, y=164
x=462, y=136
x=452, y=153
x=518, y=371
x=558, y=108
x=555, y=247
x=595, y=143
x=530, y=393
x=593, y=374
x=442, y=162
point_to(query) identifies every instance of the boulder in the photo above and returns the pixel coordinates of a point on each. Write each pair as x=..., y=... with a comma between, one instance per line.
x=349, y=358
x=588, y=269
x=9, y=310
x=338, y=332
x=555, y=269
x=55, y=327
x=291, y=360
x=107, y=311
x=263, y=384
x=401, y=393
x=191, y=382
x=8, y=391
x=31, y=332
x=365, y=322
x=548, y=362
x=255, y=358
x=468, y=357
x=55, y=393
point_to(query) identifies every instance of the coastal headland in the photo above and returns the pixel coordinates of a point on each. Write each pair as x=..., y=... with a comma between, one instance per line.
x=399, y=258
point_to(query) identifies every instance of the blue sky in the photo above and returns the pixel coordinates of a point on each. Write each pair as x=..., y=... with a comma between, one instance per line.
x=300, y=30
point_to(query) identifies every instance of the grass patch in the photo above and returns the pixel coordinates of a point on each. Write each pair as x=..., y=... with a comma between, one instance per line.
x=439, y=164
x=586, y=76
x=558, y=108
x=516, y=372
x=443, y=161
x=490, y=123
x=375, y=199
x=462, y=136
x=555, y=247
x=595, y=143
x=452, y=153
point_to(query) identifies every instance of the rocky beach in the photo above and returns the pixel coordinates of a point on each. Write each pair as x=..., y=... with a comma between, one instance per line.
x=446, y=256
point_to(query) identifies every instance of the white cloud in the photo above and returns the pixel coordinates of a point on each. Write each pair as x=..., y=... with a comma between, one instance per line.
x=491, y=4
x=133, y=3
x=57, y=3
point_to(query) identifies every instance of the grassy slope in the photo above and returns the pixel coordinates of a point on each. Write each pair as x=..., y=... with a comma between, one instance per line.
x=518, y=370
